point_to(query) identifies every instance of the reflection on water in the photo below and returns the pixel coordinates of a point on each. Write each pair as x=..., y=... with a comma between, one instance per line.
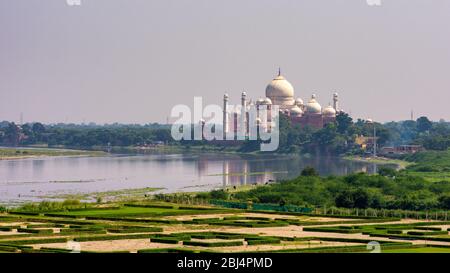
x=34, y=179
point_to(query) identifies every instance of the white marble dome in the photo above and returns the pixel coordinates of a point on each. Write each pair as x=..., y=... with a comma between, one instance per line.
x=298, y=102
x=296, y=111
x=329, y=111
x=280, y=91
x=313, y=107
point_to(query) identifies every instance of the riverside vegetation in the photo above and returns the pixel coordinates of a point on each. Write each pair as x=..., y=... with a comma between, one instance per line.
x=335, y=139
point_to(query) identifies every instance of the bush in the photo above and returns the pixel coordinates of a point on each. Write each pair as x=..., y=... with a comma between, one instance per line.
x=71, y=202
x=219, y=194
x=385, y=171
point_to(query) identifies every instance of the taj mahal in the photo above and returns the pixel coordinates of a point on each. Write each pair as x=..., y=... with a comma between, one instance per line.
x=280, y=92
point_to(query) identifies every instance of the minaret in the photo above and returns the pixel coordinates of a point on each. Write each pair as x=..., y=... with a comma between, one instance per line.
x=244, y=112
x=225, y=116
x=335, y=102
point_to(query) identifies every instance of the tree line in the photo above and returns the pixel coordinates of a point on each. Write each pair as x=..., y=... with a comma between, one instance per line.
x=389, y=189
x=335, y=138
x=82, y=135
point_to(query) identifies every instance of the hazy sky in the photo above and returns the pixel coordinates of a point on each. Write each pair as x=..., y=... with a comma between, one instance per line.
x=132, y=60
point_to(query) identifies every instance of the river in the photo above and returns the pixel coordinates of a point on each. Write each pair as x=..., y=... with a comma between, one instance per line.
x=37, y=179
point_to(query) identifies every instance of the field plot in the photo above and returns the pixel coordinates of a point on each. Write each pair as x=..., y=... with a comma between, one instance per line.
x=156, y=227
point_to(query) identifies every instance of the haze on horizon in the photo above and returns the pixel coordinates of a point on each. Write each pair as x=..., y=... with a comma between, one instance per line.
x=131, y=61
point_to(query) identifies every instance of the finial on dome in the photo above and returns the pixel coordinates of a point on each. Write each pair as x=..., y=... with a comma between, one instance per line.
x=313, y=96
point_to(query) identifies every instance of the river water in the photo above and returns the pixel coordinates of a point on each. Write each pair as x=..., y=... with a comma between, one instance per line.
x=38, y=178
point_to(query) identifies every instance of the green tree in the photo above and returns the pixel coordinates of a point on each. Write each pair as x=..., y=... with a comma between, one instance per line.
x=309, y=171
x=424, y=124
x=344, y=122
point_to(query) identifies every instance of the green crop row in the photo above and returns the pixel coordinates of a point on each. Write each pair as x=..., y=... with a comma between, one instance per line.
x=6, y=248
x=425, y=233
x=111, y=237
x=167, y=250
x=213, y=244
x=25, y=213
x=150, y=206
x=44, y=225
x=410, y=237
x=35, y=231
x=135, y=230
x=167, y=240
x=428, y=228
x=8, y=228
x=255, y=224
x=36, y=241
x=81, y=231
x=264, y=241
x=331, y=229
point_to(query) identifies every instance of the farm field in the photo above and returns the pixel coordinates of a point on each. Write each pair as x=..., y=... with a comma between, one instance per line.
x=165, y=227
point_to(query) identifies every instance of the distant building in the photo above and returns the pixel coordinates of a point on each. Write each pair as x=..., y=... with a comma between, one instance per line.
x=365, y=142
x=402, y=149
x=281, y=93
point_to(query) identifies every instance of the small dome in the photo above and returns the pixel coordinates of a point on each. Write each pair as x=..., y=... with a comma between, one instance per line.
x=296, y=111
x=299, y=102
x=260, y=101
x=279, y=88
x=225, y=96
x=329, y=111
x=267, y=101
x=313, y=107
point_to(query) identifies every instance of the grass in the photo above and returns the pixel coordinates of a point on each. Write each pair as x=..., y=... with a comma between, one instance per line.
x=116, y=195
x=432, y=176
x=132, y=212
x=245, y=174
x=418, y=250
x=207, y=236
x=18, y=153
x=402, y=164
